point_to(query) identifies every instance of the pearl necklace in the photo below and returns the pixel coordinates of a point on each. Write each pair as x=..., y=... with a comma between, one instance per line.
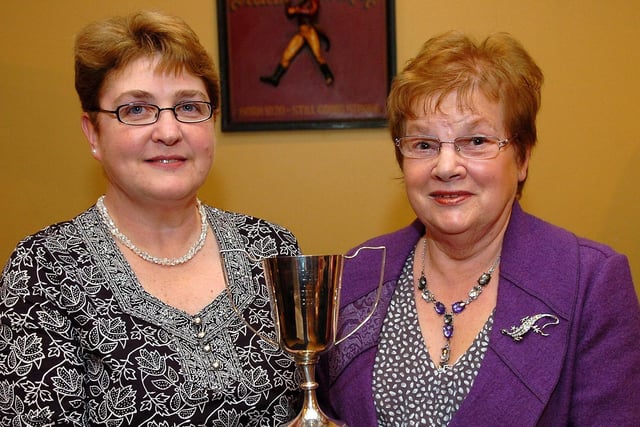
x=456, y=308
x=193, y=250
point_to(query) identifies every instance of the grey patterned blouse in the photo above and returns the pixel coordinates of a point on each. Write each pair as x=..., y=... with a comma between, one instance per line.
x=408, y=388
x=82, y=343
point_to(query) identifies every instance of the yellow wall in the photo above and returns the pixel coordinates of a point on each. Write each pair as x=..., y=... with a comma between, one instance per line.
x=336, y=188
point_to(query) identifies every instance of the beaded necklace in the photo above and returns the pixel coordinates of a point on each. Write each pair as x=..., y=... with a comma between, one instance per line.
x=193, y=250
x=456, y=308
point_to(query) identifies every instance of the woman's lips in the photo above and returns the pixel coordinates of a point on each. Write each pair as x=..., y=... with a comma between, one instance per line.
x=166, y=161
x=449, y=197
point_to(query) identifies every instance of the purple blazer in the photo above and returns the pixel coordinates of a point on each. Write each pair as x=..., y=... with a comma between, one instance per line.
x=586, y=372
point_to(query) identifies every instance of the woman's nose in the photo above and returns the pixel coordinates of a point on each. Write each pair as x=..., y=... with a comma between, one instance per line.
x=449, y=163
x=167, y=128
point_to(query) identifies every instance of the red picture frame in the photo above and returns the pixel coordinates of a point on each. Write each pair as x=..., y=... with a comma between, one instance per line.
x=356, y=41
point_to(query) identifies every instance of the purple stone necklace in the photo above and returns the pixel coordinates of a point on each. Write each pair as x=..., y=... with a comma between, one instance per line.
x=456, y=308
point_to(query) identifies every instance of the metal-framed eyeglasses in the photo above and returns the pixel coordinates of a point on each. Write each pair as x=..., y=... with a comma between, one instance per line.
x=142, y=113
x=476, y=147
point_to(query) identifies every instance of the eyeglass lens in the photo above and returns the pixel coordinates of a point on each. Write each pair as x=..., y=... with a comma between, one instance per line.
x=141, y=113
x=476, y=147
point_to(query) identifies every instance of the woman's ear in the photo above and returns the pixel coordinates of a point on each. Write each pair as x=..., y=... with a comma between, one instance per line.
x=524, y=166
x=91, y=133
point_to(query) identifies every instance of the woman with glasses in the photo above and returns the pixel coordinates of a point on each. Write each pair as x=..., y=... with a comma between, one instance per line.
x=487, y=316
x=130, y=313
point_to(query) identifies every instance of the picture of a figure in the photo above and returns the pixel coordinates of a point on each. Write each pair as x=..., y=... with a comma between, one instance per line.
x=306, y=13
x=299, y=64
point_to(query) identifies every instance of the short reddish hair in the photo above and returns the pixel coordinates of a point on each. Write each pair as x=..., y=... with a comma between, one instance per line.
x=108, y=46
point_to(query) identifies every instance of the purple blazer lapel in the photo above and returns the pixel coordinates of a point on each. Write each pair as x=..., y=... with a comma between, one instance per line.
x=519, y=376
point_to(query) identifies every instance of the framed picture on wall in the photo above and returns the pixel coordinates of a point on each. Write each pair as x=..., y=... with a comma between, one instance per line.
x=305, y=64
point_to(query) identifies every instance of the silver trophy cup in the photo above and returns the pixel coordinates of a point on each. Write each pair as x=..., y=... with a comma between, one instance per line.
x=305, y=297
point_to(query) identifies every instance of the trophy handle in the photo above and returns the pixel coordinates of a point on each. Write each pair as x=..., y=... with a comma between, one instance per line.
x=273, y=342
x=378, y=291
x=227, y=288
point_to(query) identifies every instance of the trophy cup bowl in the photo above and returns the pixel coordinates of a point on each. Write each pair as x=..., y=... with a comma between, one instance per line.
x=305, y=296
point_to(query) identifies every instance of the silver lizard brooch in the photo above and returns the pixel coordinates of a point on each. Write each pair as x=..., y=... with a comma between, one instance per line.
x=528, y=323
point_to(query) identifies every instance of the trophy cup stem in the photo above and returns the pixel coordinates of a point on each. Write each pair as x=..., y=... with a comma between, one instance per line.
x=311, y=415
x=305, y=295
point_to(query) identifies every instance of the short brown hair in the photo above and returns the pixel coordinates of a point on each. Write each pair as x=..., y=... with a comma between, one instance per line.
x=499, y=67
x=107, y=46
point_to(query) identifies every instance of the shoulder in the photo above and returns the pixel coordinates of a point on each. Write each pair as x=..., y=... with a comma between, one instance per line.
x=531, y=237
x=556, y=265
x=261, y=236
x=398, y=240
x=41, y=262
x=244, y=221
x=397, y=246
x=60, y=237
x=388, y=252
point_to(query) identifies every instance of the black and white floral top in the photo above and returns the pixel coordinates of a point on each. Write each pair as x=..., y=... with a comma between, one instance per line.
x=409, y=389
x=82, y=343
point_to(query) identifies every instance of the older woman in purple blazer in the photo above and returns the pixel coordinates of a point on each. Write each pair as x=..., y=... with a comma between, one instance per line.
x=487, y=316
